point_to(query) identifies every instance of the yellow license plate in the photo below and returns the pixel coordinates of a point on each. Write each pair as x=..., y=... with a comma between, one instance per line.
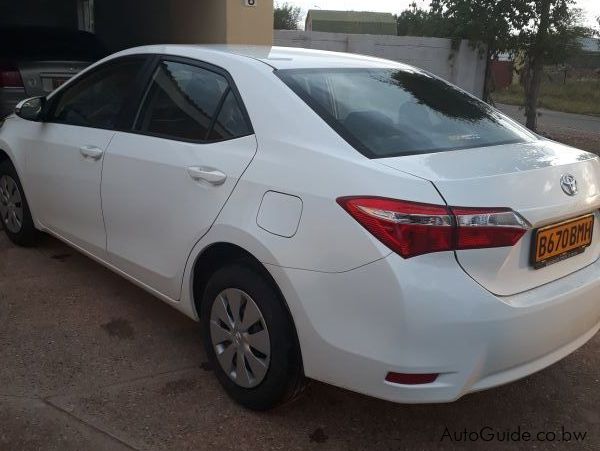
x=558, y=242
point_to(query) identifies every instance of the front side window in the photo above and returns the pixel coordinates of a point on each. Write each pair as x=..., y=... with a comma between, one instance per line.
x=393, y=112
x=97, y=99
x=191, y=103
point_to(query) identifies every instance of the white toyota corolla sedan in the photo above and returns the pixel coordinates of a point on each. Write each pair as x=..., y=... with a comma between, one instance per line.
x=323, y=215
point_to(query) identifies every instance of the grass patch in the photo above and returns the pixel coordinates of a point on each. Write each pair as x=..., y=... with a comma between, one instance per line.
x=576, y=96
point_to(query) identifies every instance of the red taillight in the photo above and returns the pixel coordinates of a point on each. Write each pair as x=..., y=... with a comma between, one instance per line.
x=412, y=229
x=10, y=77
x=406, y=227
x=410, y=379
x=488, y=227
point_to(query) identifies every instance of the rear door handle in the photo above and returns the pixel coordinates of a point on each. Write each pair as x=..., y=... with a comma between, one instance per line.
x=91, y=152
x=210, y=175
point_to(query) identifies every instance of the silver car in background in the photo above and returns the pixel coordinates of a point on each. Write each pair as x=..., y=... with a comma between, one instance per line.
x=36, y=60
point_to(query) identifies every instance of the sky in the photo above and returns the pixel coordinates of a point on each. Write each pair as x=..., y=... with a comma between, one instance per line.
x=591, y=8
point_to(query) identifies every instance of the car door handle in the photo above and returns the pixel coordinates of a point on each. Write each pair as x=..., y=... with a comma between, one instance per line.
x=92, y=152
x=210, y=175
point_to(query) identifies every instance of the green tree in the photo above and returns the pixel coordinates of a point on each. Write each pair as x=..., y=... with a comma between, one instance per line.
x=488, y=24
x=543, y=31
x=419, y=22
x=286, y=17
x=552, y=34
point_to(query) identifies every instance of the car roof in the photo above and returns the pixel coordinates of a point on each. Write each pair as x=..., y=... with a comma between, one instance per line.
x=276, y=57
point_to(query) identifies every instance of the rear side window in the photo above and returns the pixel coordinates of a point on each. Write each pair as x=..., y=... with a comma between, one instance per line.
x=230, y=122
x=96, y=100
x=392, y=112
x=190, y=103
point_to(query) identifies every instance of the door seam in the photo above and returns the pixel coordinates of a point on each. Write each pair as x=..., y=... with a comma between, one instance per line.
x=101, y=199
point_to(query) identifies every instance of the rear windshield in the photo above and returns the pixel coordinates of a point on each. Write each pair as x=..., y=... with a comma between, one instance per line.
x=391, y=112
x=26, y=43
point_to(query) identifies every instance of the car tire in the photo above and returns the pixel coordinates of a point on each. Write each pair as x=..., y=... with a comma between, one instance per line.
x=260, y=305
x=13, y=204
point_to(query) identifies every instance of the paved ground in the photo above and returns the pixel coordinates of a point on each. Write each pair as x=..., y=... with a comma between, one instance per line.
x=89, y=361
x=575, y=130
x=556, y=120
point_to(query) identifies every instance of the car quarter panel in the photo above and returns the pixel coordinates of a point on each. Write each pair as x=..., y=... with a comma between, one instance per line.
x=300, y=155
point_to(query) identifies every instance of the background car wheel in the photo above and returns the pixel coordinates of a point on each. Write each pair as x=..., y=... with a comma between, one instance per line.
x=14, y=211
x=250, y=339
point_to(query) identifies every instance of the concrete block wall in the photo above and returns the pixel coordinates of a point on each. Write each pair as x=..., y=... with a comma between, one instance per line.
x=464, y=67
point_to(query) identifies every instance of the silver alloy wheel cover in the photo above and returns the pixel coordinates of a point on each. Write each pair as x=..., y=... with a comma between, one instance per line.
x=11, y=204
x=240, y=337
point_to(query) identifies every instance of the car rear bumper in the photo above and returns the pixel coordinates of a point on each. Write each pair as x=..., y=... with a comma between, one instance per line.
x=425, y=315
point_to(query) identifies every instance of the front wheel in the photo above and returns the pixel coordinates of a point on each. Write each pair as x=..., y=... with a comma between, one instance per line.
x=250, y=339
x=15, y=215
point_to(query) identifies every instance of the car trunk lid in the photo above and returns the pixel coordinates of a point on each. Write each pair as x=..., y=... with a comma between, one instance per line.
x=525, y=177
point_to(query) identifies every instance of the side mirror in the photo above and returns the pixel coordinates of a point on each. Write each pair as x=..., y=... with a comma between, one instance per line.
x=31, y=109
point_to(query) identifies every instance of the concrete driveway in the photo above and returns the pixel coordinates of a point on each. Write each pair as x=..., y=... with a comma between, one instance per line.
x=89, y=361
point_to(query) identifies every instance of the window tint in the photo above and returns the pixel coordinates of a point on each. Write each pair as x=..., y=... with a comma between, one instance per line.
x=391, y=112
x=97, y=99
x=230, y=122
x=182, y=101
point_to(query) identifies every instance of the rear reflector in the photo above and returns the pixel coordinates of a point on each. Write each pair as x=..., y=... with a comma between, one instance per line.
x=412, y=229
x=10, y=77
x=410, y=379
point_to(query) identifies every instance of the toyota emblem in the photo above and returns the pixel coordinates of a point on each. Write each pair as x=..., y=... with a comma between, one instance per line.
x=568, y=184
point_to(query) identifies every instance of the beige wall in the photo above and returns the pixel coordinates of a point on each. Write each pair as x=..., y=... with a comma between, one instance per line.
x=193, y=21
x=126, y=23
x=249, y=25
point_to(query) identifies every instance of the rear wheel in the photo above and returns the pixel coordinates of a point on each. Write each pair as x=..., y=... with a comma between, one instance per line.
x=250, y=339
x=15, y=215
